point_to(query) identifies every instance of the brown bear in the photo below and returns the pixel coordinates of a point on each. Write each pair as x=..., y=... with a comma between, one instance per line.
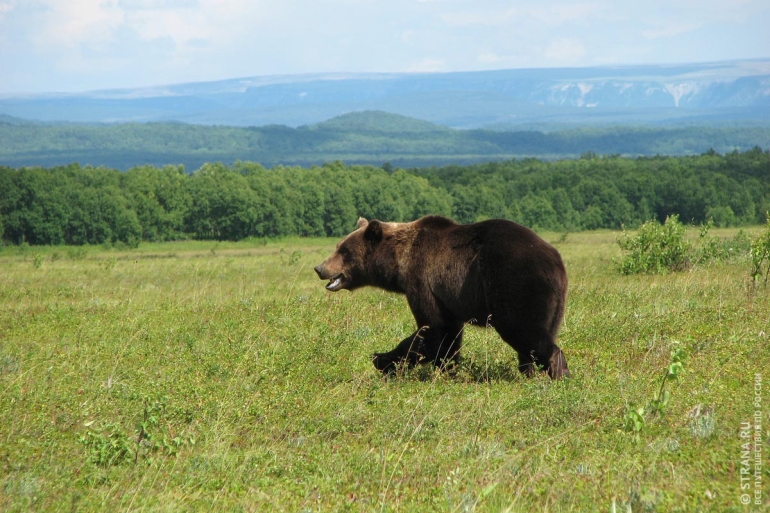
x=494, y=272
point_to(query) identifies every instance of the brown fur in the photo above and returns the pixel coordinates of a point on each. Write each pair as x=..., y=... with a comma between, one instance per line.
x=494, y=272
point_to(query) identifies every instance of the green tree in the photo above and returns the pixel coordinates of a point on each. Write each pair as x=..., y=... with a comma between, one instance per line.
x=223, y=206
x=340, y=213
x=38, y=211
x=419, y=198
x=477, y=202
x=537, y=212
x=722, y=216
x=378, y=197
x=160, y=199
x=567, y=216
x=313, y=209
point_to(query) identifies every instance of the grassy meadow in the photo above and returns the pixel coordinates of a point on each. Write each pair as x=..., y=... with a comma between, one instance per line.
x=202, y=376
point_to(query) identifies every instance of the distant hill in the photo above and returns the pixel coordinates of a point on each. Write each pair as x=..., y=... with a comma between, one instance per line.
x=373, y=121
x=368, y=137
x=11, y=120
x=706, y=94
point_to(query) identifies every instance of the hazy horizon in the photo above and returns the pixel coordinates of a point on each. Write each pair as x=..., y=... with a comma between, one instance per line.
x=87, y=45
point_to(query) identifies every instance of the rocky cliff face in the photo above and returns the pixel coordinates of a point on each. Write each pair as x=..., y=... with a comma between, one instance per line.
x=695, y=93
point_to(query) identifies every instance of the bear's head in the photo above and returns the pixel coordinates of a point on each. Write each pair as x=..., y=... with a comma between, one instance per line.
x=349, y=266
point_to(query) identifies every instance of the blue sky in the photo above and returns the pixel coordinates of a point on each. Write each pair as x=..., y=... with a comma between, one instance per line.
x=81, y=45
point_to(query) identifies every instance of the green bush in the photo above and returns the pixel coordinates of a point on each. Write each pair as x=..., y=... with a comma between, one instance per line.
x=659, y=249
x=711, y=248
x=655, y=249
x=108, y=446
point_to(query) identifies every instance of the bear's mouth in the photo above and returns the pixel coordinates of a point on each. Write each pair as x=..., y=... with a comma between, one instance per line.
x=335, y=283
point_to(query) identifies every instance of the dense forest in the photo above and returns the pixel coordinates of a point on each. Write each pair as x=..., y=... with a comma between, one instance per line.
x=355, y=138
x=76, y=204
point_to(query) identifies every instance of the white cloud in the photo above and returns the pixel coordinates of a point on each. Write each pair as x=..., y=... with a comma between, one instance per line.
x=566, y=12
x=68, y=24
x=487, y=60
x=560, y=14
x=564, y=51
x=7, y=6
x=157, y=4
x=669, y=30
x=478, y=17
x=491, y=58
x=428, y=66
x=553, y=15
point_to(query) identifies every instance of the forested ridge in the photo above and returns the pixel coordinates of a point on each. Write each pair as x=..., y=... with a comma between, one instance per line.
x=355, y=138
x=76, y=204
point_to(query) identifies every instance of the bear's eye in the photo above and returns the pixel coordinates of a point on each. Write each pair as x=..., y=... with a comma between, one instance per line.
x=344, y=253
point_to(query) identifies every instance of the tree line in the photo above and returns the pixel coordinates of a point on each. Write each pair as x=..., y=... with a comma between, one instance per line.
x=76, y=204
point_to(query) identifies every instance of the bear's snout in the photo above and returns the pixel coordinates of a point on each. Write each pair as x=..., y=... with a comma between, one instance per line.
x=336, y=279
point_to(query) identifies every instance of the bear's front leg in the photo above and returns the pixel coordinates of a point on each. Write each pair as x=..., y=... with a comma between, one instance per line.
x=410, y=351
x=436, y=345
x=442, y=346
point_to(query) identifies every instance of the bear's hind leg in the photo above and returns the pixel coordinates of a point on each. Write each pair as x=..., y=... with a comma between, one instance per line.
x=557, y=364
x=536, y=350
x=553, y=362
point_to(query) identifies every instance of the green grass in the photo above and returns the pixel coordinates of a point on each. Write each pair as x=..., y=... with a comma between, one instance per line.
x=218, y=377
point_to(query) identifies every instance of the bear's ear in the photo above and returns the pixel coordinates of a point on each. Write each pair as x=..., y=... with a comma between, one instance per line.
x=373, y=232
x=361, y=223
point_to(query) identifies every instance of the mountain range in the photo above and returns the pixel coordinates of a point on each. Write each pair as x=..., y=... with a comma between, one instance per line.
x=705, y=94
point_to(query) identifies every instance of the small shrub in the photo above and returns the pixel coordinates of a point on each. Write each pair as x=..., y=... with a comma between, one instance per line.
x=760, y=255
x=645, y=500
x=655, y=249
x=633, y=420
x=675, y=368
x=77, y=253
x=702, y=421
x=108, y=446
x=292, y=259
x=635, y=417
x=109, y=263
x=713, y=249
